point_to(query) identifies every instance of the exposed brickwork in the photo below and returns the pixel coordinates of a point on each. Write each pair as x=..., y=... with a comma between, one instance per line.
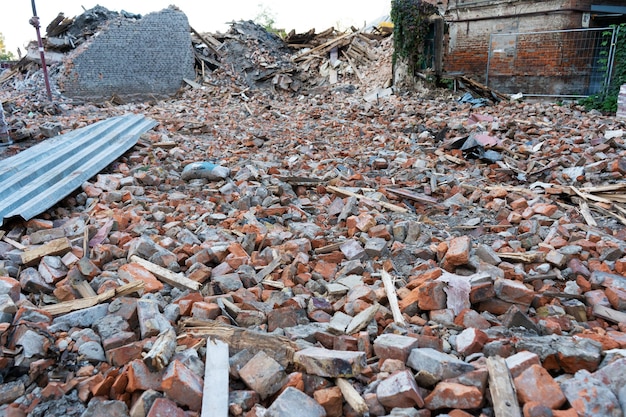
x=533, y=63
x=133, y=59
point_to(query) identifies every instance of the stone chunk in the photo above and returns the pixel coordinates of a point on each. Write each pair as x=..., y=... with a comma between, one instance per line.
x=437, y=364
x=399, y=390
x=151, y=321
x=100, y=408
x=536, y=384
x=263, y=374
x=330, y=363
x=83, y=318
x=590, y=397
x=352, y=250
x=294, y=402
x=394, y=346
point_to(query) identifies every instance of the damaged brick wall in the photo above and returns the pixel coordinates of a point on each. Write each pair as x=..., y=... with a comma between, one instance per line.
x=471, y=23
x=132, y=59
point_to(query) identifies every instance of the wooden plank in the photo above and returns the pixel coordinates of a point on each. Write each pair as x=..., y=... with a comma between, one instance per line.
x=352, y=397
x=215, y=393
x=411, y=195
x=55, y=247
x=165, y=275
x=16, y=245
x=82, y=303
x=609, y=314
x=281, y=348
x=501, y=388
x=392, y=297
x=209, y=41
x=269, y=268
x=388, y=206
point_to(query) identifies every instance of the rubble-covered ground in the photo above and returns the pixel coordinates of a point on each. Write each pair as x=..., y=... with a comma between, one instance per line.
x=403, y=256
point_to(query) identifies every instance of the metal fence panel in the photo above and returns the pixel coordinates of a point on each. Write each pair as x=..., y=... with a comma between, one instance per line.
x=559, y=63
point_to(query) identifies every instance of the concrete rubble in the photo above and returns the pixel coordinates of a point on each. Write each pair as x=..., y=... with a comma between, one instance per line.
x=361, y=257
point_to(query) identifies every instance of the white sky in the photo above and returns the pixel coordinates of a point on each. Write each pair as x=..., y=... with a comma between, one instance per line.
x=204, y=16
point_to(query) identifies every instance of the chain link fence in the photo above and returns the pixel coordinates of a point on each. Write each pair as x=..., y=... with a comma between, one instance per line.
x=562, y=63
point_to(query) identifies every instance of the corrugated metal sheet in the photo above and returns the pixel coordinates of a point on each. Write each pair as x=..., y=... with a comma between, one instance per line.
x=39, y=177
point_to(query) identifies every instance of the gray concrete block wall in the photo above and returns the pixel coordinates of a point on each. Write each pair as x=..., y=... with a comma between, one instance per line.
x=133, y=59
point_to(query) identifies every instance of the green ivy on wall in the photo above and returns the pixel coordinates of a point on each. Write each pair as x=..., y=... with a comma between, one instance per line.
x=607, y=100
x=410, y=28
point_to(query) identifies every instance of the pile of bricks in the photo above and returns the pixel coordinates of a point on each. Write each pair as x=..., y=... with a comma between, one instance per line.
x=355, y=262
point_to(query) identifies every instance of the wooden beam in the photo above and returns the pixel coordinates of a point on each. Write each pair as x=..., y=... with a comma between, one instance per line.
x=164, y=274
x=162, y=350
x=609, y=314
x=55, y=247
x=281, y=348
x=392, y=297
x=82, y=303
x=501, y=388
x=216, y=368
x=388, y=206
x=352, y=397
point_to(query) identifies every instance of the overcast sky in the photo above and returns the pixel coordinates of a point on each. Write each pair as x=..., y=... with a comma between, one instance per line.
x=204, y=16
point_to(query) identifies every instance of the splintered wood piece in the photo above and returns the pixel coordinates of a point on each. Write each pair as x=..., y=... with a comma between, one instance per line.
x=351, y=396
x=609, y=314
x=164, y=274
x=388, y=206
x=501, y=388
x=269, y=268
x=392, y=297
x=162, y=351
x=528, y=257
x=55, y=247
x=82, y=303
x=411, y=195
x=281, y=348
x=216, y=368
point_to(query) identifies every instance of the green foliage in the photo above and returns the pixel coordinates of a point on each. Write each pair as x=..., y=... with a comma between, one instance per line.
x=4, y=55
x=410, y=28
x=607, y=100
x=266, y=18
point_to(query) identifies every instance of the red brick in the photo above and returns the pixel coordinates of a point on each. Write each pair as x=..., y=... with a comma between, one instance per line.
x=163, y=407
x=140, y=378
x=331, y=399
x=453, y=395
x=458, y=251
x=537, y=385
x=182, y=385
x=134, y=271
x=202, y=310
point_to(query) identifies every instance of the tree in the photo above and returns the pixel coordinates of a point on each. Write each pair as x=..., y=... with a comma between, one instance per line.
x=4, y=55
x=410, y=28
x=265, y=17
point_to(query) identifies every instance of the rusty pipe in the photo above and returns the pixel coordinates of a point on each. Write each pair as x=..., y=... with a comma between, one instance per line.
x=35, y=22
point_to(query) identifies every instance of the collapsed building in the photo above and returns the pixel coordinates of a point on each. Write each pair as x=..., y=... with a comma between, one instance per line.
x=107, y=54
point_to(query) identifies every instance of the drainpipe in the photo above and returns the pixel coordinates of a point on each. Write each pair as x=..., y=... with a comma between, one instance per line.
x=35, y=22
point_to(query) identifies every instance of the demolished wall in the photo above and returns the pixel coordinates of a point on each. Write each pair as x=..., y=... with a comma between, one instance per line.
x=132, y=59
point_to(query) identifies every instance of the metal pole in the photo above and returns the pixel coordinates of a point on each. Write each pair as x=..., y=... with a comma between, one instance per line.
x=35, y=22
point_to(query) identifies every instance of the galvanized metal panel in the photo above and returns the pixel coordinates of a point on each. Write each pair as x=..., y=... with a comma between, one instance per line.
x=39, y=177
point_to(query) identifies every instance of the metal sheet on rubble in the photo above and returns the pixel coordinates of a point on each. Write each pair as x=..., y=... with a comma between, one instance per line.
x=39, y=177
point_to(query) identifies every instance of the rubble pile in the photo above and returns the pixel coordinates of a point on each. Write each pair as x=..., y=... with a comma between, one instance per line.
x=401, y=257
